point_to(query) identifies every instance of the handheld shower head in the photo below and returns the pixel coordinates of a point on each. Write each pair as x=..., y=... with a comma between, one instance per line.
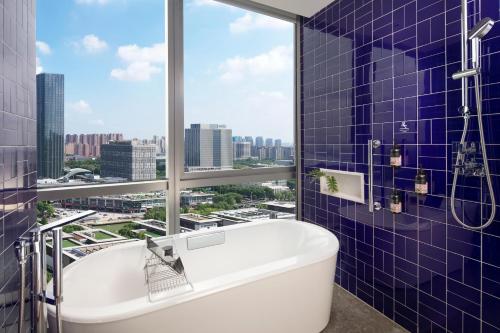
x=475, y=35
x=481, y=29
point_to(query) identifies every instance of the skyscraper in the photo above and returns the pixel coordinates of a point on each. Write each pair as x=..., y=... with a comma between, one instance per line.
x=259, y=142
x=208, y=147
x=269, y=142
x=278, y=143
x=50, y=125
x=128, y=160
x=242, y=150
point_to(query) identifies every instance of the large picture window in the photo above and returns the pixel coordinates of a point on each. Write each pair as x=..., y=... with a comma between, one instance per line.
x=151, y=109
x=239, y=88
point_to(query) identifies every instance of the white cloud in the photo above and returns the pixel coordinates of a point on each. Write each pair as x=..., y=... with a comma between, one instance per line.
x=39, y=67
x=80, y=106
x=43, y=47
x=91, y=44
x=133, y=53
x=141, y=62
x=136, y=71
x=250, y=22
x=278, y=60
x=92, y=2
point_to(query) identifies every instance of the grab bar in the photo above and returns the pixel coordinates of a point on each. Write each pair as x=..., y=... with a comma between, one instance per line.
x=57, y=274
x=372, y=205
x=22, y=257
x=34, y=246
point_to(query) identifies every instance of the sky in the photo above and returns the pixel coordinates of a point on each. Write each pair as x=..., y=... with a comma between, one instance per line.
x=238, y=66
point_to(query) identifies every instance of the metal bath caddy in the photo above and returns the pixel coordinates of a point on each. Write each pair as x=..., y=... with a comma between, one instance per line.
x=164, y=273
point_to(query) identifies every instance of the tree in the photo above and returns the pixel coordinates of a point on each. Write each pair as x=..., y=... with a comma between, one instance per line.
x=72, y=228
x=93, y=165
x=128, y=231
x=254, y=192
x=285, y=196
x=44, y=211
x=156, y=213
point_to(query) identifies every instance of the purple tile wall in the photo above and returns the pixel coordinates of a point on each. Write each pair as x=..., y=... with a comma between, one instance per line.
x=17, y=144
x=368, y=65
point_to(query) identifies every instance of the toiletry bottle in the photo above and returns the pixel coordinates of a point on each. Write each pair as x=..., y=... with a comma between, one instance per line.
x=421, y=183
x=396, y=205
x=396, y=159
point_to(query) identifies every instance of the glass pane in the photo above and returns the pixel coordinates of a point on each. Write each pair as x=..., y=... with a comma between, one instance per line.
x=100, y=92
x=217, y=206
x=119, y=219
x=239, y=88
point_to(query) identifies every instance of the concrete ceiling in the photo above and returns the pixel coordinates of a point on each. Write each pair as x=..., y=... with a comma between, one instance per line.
x=305, y=8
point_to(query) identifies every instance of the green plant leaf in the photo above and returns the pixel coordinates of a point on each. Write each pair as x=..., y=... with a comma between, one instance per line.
x=316, y=174
x=332, y=184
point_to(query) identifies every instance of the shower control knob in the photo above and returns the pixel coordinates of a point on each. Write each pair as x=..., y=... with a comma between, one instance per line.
x=377, y=206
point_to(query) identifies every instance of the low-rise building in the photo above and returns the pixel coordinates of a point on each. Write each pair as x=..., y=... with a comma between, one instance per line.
x=189, y=198
x=199, y=222
x=230, y=217
x=132, y=203
x=281, y=206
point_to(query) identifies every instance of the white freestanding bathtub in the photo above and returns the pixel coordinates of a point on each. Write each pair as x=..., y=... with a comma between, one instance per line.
x=266, y=277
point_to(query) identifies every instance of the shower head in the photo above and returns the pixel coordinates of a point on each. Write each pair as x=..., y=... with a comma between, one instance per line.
x=481, y=29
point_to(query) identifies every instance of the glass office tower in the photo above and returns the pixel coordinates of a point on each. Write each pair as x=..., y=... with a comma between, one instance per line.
x=50, y=125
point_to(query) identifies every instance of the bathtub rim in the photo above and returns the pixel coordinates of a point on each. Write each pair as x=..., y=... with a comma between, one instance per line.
x=140, y=306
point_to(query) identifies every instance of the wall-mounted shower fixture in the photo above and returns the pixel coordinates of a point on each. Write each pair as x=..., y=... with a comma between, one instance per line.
x=475, y=35
x=465, y=164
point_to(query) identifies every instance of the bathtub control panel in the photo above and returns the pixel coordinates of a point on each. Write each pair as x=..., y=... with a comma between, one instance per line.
x=212, y=239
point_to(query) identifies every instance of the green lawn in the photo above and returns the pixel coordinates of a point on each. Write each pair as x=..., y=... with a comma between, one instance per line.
x=153, y=234
x=114, y=228
x=101, y=235
x=69, y=243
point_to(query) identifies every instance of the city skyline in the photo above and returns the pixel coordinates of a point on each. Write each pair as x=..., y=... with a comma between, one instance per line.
x=102, y=65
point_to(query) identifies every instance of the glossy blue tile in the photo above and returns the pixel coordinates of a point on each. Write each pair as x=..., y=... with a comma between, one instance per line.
x=394, y=65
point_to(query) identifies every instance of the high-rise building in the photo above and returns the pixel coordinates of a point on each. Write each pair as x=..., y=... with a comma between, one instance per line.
x=208, y=147
x=50, y=125
x=278, y=143
x=269, y=142
x=159, y=142
x=128, y=160
x=249, y=139
x=242, y=150
x=259, y=142
x=88, y=145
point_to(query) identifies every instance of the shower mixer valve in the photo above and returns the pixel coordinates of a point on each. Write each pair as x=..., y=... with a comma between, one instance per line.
x=466, y=163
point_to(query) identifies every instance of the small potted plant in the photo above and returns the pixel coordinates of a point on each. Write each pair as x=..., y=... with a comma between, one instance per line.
x=331, y=182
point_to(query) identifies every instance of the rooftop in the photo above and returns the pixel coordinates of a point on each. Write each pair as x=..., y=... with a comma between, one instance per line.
x=199, y=218
x=283, y=204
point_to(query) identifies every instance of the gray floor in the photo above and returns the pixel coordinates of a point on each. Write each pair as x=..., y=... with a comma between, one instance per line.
x=351, y=315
